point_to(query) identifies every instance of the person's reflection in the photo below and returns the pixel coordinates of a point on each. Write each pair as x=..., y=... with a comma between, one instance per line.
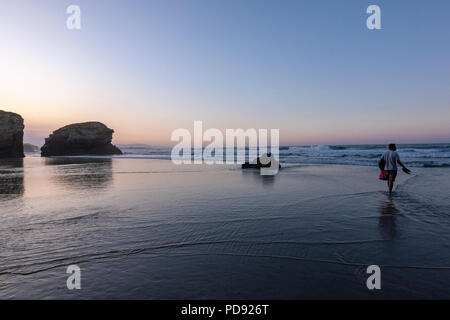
x=11, y=178
x=387, y=219
x=79, y=173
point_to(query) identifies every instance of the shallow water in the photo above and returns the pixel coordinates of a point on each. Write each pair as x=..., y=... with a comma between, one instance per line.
x=141, y=228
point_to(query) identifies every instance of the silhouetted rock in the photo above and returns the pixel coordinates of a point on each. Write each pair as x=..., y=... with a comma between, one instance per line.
x=11, y=135
x=88, y=138
x=28, y=147
x=265, y=161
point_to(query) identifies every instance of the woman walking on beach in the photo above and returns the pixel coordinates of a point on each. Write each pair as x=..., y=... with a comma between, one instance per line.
x=389, y=162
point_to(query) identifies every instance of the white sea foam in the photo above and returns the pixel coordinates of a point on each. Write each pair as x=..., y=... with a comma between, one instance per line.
x=414, y=155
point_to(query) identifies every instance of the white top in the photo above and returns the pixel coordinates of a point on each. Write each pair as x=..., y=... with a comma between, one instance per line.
x=391, y=158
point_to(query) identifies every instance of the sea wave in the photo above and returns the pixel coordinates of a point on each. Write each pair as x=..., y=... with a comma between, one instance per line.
x=413, y=155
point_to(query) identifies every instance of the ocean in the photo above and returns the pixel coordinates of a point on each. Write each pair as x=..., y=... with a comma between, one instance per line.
x=413, y=155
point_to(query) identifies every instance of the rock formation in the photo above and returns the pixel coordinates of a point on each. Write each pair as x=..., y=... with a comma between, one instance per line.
x=265, y=161
x=11, y=135
x=88, y=138
x=28, y=147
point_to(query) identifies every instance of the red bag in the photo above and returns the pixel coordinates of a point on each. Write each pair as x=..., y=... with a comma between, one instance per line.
x=383, y=175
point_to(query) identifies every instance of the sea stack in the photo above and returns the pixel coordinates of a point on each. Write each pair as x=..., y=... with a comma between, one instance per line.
x=88, y=138
x=11, y=135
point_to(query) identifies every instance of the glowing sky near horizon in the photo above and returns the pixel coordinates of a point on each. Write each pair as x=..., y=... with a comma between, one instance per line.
x=309, y=68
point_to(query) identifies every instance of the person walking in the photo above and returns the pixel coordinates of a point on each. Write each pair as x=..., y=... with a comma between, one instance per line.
x=389, y=162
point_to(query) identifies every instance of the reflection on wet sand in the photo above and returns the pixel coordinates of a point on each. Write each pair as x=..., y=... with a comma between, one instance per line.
x=11, y=178
x=387, y=219
x=81, y=173
x=258, y=178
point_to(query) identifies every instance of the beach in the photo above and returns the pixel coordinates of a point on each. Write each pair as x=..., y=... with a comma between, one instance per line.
x=148, y=229
x=228, y=156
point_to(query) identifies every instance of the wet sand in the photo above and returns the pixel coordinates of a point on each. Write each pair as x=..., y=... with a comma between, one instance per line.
x=147, y=229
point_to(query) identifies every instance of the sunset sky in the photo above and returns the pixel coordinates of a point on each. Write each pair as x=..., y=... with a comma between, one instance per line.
x=309, y=68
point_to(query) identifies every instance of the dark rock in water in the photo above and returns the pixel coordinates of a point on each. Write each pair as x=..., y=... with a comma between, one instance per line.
x=11, y=135
x=28, y=147
x=248, y=165
x=88, y=138
x=257, y=163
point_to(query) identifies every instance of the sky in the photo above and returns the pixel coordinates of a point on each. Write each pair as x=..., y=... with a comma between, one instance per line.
x=311, y=69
